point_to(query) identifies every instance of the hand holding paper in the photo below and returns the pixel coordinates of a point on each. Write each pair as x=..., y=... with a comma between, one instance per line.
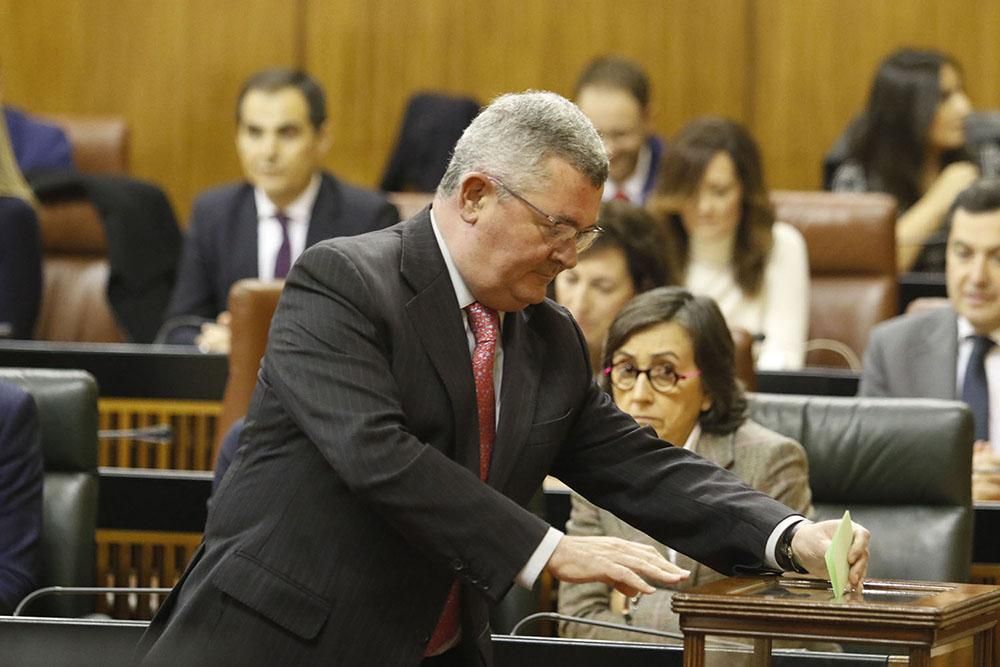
x=812, y=540
x=836, y=556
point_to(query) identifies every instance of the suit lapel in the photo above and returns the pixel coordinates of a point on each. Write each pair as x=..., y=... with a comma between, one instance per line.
x=325, y=214
x=244, y=236
x=932, y=364
x=434, y=314
x=522, y=349
x=720, y=449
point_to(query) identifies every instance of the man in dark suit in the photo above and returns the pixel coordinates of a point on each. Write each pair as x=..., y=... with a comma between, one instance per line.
x=398, y=428
x=20, y=495
x=614, y=93
x=257, y=228
x=951, y=352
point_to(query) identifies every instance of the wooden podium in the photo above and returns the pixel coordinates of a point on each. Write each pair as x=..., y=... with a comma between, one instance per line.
x=916, y=616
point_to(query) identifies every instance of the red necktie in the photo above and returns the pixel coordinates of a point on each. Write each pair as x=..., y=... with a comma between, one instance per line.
x=283, y=261
x=485, y=325
x=621, y=196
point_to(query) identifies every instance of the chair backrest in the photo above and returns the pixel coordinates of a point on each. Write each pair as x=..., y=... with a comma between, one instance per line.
x=99, y=143
x=75, y=275
x=851, y=240
x=432, y=124
x=74, y=248
x=67, y=418
x=903, y=467
x=251, y=304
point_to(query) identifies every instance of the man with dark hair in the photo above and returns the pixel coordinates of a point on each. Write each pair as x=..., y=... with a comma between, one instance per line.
x=951, y=352
x=257, y=228
x=614, y=93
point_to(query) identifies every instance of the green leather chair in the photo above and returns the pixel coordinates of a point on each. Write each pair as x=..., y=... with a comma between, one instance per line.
x=67, y=417
x=902, y=466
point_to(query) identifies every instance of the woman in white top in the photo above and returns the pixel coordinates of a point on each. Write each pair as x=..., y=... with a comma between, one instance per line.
x=715, y=206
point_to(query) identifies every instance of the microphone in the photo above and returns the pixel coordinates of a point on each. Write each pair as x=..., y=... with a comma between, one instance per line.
x=553, y=616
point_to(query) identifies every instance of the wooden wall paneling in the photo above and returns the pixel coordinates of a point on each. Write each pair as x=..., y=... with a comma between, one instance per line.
x=170, y=67
x=373, y=55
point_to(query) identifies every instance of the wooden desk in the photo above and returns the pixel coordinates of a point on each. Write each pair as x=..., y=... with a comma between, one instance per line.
x=915, y=616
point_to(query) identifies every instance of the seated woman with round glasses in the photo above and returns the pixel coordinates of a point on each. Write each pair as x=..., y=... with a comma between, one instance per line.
x=669, y=362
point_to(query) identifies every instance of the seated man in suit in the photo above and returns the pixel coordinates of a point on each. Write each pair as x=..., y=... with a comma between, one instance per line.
x=614, y=93
x=257, y=228
x=20, y=495
x=38, y=146
x=376, y=507
x=951, y=352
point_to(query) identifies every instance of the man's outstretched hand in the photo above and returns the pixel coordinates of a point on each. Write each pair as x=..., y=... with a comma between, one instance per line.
x=628, y=567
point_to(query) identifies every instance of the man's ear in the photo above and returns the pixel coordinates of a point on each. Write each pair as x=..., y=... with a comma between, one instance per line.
x=473, y=190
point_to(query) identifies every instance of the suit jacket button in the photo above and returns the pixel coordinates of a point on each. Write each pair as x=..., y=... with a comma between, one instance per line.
x=457, y=565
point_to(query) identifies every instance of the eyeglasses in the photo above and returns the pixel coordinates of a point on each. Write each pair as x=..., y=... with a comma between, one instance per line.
x=662, y=377
x=557, y=231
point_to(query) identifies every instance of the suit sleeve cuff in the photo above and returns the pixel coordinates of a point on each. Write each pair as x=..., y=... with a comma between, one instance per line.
x=529, y=573
x=770, y=550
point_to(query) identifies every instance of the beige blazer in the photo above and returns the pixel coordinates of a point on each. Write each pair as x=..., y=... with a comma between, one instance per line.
x=767, y=461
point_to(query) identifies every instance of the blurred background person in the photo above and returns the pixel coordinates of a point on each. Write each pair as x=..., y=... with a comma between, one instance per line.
x=714, y=204
x=669, y=362
x=258, y=227
x=911, y=143
x=628, y=257
x=20, y=249
x=614, y=93
x=38, y=146
x=951, y=352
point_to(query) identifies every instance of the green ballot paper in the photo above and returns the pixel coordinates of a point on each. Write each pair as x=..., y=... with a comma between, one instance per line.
x=836, y=557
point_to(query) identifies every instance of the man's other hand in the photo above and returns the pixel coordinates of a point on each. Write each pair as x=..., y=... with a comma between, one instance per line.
x=628, y=567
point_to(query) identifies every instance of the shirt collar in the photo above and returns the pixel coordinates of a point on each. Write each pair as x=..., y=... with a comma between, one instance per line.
x=693, y=437
x=299, y=210
x=965, y=329
x=462, y=292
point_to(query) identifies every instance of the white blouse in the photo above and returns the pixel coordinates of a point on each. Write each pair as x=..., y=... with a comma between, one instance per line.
x=780, y=310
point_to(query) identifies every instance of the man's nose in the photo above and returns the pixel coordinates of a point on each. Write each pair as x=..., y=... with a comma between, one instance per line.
x=565, y=254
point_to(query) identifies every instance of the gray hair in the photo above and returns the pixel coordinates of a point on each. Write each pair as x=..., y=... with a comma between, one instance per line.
x=517, y=133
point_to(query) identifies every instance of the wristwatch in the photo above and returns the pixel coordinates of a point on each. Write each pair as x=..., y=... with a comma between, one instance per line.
x=785, y=555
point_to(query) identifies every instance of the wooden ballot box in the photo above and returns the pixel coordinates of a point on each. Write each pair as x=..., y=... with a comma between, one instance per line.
x=913, y=616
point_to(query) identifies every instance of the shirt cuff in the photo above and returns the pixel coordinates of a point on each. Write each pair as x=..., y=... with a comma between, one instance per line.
x=772, y=541
x=529, y=573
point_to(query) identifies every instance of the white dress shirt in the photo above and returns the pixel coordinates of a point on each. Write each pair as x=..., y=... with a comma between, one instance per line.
x=269, y=235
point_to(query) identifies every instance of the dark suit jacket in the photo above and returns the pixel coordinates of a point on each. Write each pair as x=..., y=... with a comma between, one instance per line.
x=38, y=146
x=20, y=268
x=355, y=501
x=221, y=243
x=20, y=495
x=913, y=356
